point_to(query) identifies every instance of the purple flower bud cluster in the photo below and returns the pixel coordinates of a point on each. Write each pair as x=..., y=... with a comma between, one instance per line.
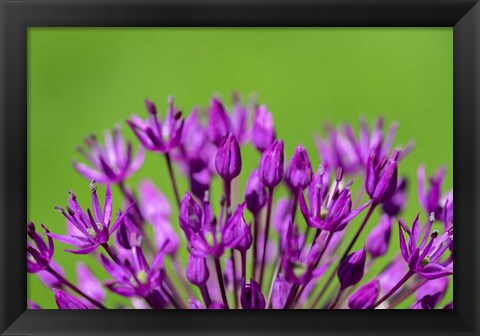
x=212, y=247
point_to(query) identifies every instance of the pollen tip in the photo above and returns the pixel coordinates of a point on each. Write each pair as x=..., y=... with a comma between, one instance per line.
x=59, y=208
x=432, y=217
x=92, y=186
x=320, y=169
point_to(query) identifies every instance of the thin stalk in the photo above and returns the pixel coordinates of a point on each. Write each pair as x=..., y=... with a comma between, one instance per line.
x=265, y=236
x=172, y=178
x=275, y=273
x=256, y=223
x=172, y=287
x=337, y=298
x=291, y=296
x=316, y=263
x=227, y=185
x=177, y=304
x=347, y=251
x=244, y=263
x=406, y=294
x=395, y=288
x=112, y=254
x=234, y=275
x=205, y=296
x=73, y=287
x=221, y=284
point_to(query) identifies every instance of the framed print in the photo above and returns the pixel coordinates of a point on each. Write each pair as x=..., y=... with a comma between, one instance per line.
x=239, y=167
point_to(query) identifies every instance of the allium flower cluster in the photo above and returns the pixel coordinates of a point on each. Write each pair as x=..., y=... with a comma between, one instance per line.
x=299, y=234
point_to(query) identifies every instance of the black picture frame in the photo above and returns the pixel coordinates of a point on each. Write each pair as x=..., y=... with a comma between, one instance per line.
x=18, y=15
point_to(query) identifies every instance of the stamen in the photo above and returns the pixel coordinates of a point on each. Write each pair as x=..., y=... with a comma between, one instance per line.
x=72, y=195
x=93, y=188
x=70, y=211
x=321, y=170
x=339, y=175
x=434, y=234
x=59, y=208
x=432, y=217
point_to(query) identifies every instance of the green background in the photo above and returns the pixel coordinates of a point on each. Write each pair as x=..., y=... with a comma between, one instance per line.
x=84, y=81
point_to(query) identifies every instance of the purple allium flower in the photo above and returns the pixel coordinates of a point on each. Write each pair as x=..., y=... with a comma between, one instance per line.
x=40, y=255
x=366, y=296
x=424, y=259
x=330, y=214
x=299, y=171
x=134, y=276
x=379, y=238
x=251, y=296
x=197, y=270
x=154, y=135
x=111, y=162
x=381, y=177
x=351, y=268
x=263, y=132
x=240, y=119
x=211, y=240
x=191, y=216
x=89, y=284
x=392, y=274
x=95, y=228
x=67, y=301
x=427, y=302
x=395, y=204
x=430, y=199
x=237, y=233
x=280, y=291
x=156, y=209
x=255, y=193
x=219, y=123
x=228, y=160
x=271, y=165
x=344, y=150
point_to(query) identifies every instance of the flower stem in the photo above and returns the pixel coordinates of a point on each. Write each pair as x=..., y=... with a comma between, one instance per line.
x=234, y=276
x=256, y=223
x=221, y=284
x=227, y=185
x=337, y=298
x=206, y=296
x=244, y=264
x=347, y=251
x=265, y=236
x=395, y=288
x=73, y=287
x=175, y=303
x=112, y=254
x=406, y=294
x=172, y=178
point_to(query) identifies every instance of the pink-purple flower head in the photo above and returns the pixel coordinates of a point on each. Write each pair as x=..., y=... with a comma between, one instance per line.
x=39, y=253
x=299, y=171
x=366, y=296
x=343, y=149
x=379, y=238
x=351, y=268
x=156, y=209
x=212, y=240
x=219, y=123
x=330, y=213
x=263, y=131
x=255, y=193
x=228, y=160
x=396, y=203
x=95, y=227
x=424, y=257
x=155, y=135
x=430, y=198
x=271, y=165
x=134, y=276
x=251, y=296
x=112, y=162
x=381, y=177
x=197, y=270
